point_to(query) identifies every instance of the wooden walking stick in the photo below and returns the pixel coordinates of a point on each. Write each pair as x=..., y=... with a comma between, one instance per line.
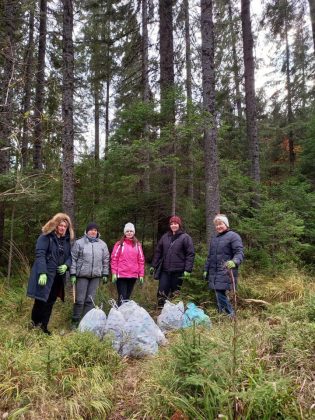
x=235, y=405
x=73, y=292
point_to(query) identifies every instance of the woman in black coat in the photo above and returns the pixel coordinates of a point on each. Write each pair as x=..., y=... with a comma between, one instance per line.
x=174, y=258
x=52, y=260
x=225, y=253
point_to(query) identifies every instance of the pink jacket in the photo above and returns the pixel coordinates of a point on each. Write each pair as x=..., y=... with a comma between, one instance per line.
x=127, y=260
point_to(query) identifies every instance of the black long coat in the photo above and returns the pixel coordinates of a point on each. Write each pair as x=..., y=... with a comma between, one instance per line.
x=47, y=259
x=223, y=247
x=177, y=252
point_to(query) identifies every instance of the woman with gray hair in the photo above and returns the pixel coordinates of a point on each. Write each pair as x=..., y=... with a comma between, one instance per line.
x=225, y=253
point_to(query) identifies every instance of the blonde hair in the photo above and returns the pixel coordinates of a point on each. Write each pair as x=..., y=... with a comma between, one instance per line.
x=51, y=225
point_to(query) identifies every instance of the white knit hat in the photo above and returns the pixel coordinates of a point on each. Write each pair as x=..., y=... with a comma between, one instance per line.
x=129, y=226
x=222, y=218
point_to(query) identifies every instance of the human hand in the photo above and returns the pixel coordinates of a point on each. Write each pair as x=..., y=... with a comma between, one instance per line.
x=73, y=279
x=141, y=280
x=105, y=279
x=114, y=278
x=230, y=264
x=42, y=280
x=62, y=269
x=151, y=271
x=205, y=275
x=186, y=275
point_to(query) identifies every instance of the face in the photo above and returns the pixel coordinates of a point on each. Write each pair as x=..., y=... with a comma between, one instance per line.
x=61, y=229
x=220, y=226
x=129, y=234
x=174, y=227
x=92, y=233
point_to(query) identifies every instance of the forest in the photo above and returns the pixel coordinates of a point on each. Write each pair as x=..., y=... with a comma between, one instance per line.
x=132, y=111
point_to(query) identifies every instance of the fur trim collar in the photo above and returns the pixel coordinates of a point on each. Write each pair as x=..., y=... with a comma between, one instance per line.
x=51, y=225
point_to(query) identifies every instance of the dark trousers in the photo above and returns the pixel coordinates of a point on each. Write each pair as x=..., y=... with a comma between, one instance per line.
x=41, y=311
x=124, y=288
x=169, y=284
x=85, y=294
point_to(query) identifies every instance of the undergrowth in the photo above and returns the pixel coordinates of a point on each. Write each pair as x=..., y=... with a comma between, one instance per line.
x=74, y=376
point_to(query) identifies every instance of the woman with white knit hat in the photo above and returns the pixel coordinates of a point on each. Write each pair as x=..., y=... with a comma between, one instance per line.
x=127, y=263
x=225, y=253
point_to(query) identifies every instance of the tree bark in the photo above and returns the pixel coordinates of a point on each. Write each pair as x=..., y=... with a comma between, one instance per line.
x=40, y=87
x=250, y=98
x=8, y=47
x=236, y=71
x=190, y=189
x=146, y=89
x=289, y=98
x=312, y=14
x=210, y=128
x=27, y=89
x=67, y=110
x=167, y=83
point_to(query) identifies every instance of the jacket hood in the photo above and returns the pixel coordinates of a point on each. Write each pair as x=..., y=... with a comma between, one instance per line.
x=51, y=225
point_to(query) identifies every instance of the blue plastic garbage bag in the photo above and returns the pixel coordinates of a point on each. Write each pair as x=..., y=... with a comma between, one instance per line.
x=193, y=314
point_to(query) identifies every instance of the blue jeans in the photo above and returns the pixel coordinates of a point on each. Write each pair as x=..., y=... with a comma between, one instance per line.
x=223, y=302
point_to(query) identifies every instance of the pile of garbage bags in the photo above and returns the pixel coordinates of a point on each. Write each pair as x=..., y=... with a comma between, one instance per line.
x=133, y=331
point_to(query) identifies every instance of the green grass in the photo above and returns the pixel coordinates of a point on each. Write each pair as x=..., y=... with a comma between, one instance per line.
x=75, y=376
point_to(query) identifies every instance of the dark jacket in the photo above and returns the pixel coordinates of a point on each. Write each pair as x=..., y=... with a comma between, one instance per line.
x=46, y=262
x=223, y=247
x=177, y=252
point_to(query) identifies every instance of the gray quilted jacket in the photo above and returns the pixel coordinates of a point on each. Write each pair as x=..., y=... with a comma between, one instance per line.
x=89, y=259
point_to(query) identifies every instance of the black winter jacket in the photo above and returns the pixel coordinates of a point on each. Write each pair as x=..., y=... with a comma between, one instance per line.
x=46, y=262
x=177, y=252
x=223, y=247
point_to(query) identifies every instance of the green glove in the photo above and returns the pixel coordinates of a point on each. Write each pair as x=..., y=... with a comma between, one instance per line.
x=205, y=275
x=62, y=269
x=151, y=271
x=104, y=278
x=114, y=278
x=42, y=280
x=186, y=275
x=141, y=280
x=73, y=279
x=230, y=264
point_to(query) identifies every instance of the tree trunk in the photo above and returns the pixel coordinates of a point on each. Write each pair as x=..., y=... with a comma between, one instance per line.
x=236, y=70
x=289, y=99
x=190, y=189
x=312, y=13
x=167, y=60
x=210, y=129
x=146, y=89
x=96, y=123
x=250, y=98
x=167, y=84
x=27, y=89
x=40, y=85
x=67, y=110
x=107, y=118
x=7, y=44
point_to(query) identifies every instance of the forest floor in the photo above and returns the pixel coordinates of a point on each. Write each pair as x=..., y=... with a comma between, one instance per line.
x=76, y=376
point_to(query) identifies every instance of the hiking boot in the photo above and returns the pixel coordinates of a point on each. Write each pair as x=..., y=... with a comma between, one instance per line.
x=74, y=325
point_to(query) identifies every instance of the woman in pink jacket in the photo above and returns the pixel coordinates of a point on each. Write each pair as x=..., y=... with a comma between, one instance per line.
x=127, y=263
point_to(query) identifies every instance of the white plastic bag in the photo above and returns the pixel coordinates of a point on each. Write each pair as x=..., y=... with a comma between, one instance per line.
x=94, y=321
x=142, y=335
x=171, y=316
x=115, y=327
